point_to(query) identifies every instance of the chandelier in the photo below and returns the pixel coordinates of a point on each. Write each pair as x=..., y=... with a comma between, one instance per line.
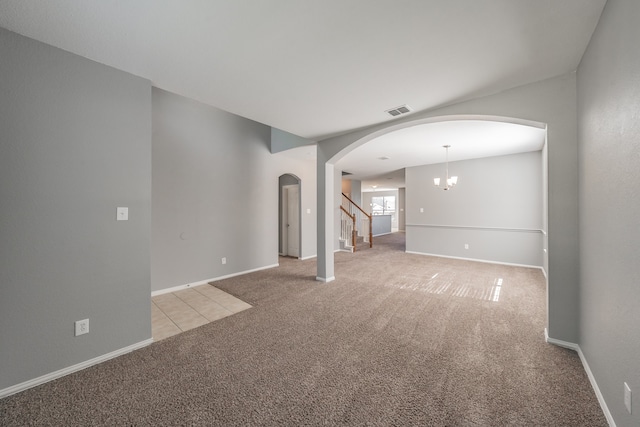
x=450, y=181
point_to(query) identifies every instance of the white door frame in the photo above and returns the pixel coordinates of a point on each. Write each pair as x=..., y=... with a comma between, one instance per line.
x=286, y=251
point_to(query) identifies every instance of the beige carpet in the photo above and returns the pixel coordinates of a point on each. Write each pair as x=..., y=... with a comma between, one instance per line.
x=396, y=340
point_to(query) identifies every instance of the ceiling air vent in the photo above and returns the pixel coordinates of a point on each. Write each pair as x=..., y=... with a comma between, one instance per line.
x=397, y=111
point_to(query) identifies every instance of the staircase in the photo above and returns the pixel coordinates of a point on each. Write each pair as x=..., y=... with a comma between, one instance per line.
x=355, y=225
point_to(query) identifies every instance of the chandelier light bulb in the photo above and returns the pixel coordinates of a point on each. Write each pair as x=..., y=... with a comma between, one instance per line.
x=450, y=181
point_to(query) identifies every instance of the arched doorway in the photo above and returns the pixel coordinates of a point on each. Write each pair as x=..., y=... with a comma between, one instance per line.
x=289, y=214
x=330, y=154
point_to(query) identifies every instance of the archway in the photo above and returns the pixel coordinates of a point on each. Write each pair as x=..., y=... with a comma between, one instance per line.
x=329, y=154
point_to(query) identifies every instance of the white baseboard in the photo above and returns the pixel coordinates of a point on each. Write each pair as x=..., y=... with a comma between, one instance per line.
x=599, y=395
x=302, y=258
x=66, y=371
x=325, y=280
x=560, y=343
x=204, y=282
x=180, y=287
x=478, y=260
x=585, y=365
x=544, y=272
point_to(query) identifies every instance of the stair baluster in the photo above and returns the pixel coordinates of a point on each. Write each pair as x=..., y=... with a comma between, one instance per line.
x=361, y=220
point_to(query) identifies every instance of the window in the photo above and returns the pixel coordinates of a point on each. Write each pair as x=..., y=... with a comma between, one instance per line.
x=383, y=205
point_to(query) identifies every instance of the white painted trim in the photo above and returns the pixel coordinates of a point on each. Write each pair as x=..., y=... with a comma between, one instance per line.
x=325, y=280
x=308, y=257
x=71, y=369
x=383, y=234
x=179, y=288
x=560, y=343
x=266, y=267
x=214, y=279
x=478, y=260
x=585, y=365
x=594, y=384
x=473, y=227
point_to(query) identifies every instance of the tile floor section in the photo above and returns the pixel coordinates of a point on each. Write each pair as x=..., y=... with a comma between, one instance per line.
x=186, y=309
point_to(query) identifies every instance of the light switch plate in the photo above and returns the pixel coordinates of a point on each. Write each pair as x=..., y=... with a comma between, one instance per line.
x=81, y=327
x=122, y=214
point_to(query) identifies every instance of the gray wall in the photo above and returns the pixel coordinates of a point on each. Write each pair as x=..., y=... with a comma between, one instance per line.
x=550, y=102
x=609, y=138
x=353, y=189
x=281, y=141
x=75, y=144
x=356, y=192
x=211, y=198
x=356, y=196
x=346, y=187
x=380, y=225
x=402, y=210
x=496, y=209
x=215, y=193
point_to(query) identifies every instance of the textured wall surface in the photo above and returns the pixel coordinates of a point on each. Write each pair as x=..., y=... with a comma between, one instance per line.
x=609, y=138
x=76, y=144
x=496, y=209
x=215, y=193
x=210, y=198
x=550, y=102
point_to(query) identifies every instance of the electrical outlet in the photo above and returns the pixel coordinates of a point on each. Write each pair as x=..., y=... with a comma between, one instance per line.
x=224, y=260
x=466, y=246
x=82, y=327
x=627, y=397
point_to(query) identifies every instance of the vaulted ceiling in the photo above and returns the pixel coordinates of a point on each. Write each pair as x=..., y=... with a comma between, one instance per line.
x=318, y=68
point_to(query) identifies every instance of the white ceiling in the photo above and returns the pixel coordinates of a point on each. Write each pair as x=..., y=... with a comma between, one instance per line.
x=380, y=162
x=318, y=68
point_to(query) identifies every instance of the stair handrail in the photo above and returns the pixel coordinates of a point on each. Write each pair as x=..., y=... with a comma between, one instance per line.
x=356, y=205
x=365, y=214
x=353, y=228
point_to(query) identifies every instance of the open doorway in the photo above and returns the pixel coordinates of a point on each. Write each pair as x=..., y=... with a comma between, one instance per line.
x=289, y=216
x=500, y=213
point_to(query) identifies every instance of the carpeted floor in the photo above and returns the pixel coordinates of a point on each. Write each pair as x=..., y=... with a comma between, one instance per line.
x=396, y=340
